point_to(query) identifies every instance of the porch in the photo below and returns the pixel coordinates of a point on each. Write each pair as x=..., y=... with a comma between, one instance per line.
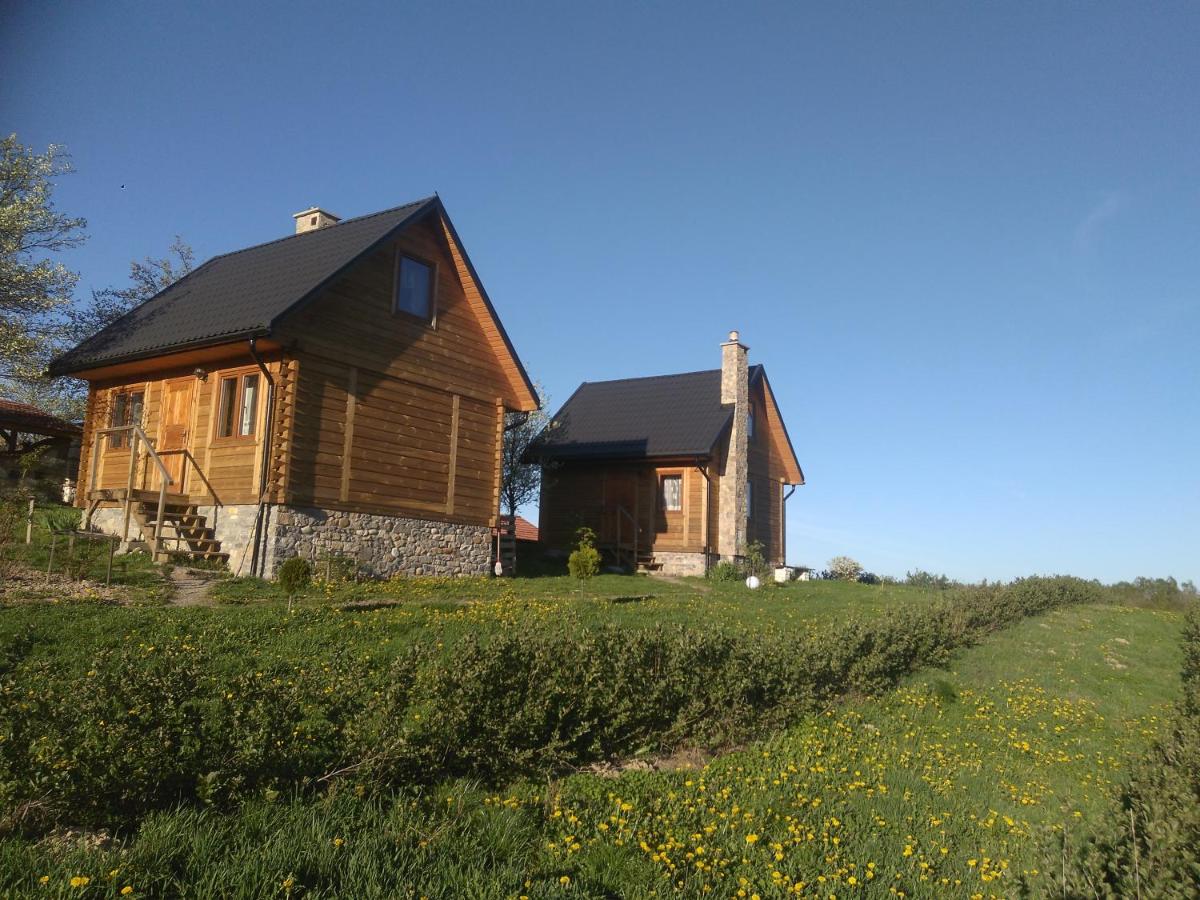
x=168, y=522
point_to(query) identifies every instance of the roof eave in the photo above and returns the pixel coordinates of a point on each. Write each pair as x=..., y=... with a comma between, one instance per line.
x=54, y=370
x=508, y=344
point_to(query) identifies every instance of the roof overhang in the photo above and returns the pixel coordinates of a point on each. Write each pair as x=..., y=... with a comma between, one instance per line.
x=191, y=356
x=795, y=475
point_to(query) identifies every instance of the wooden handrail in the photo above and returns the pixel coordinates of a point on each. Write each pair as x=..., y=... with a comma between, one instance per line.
x=187, y=454
x=138, y=436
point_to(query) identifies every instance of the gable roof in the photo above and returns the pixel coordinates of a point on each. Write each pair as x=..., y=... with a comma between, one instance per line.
x=637, y=418
x=244, y=294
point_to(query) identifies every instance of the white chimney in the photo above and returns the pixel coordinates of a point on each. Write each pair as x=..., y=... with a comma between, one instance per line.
x=313, y=218
x=735, y=390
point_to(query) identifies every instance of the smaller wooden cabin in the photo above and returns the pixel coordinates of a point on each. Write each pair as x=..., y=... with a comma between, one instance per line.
x=337, y=392
x=672, y=472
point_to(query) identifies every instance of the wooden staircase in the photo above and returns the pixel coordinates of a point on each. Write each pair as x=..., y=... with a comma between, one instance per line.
x=184, y=530
x=647, y=563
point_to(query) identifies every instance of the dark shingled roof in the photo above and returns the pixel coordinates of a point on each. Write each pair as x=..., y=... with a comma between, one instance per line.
x=240, y=294
x=635, y=418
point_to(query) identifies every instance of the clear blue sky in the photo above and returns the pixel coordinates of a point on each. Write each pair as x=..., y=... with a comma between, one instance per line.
x=963, y=238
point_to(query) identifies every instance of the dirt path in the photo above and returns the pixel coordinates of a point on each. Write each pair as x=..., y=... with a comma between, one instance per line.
x=190, y=589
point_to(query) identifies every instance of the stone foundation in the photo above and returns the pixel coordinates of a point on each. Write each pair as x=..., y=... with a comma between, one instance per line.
x=233, y=526
x=674, y=563
x=382, y=545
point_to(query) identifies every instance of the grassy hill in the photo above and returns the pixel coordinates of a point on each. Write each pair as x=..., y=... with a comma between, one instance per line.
x=252, y=751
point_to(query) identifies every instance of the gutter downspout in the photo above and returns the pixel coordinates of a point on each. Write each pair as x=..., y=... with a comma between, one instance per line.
x=258, y=558
x=783, y=522
x=707, y=511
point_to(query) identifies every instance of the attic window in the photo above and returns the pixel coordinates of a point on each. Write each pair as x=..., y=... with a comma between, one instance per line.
x=750, y=424
x=414, y=287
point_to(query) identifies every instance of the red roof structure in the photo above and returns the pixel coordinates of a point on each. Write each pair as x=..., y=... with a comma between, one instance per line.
x=526, y=530
x=27, y=419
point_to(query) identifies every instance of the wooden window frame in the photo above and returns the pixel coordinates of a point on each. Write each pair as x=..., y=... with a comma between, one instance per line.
x=662, y=498
x=123, y=441
x=219, y=380
x=431, y=319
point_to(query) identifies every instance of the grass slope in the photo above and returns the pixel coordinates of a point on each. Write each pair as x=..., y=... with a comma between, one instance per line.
x=947, y=785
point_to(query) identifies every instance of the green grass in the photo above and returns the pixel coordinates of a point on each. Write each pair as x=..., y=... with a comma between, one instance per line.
x=619, y=599
x=136, y=571
x=1023, y=736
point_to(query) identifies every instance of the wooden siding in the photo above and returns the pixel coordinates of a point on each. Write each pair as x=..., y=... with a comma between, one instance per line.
x=578, y=494
x=767, y=467
x=363, y=440
x=392, y=414
x=230, y=466
x=352, y=320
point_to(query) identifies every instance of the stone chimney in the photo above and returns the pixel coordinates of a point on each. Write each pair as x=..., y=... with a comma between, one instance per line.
x=313, y=218
x=735, y=390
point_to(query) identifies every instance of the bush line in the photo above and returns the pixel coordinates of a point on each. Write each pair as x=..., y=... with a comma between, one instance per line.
x=1148, y=844
x=146, y=728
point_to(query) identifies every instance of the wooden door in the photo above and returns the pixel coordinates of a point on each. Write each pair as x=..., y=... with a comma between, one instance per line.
x=175, y=429
x=620, y=493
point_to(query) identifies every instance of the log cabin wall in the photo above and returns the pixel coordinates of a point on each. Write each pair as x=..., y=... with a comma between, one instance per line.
x=393, y=414
x=766, y=470
x=231, y=465
x=575, y=494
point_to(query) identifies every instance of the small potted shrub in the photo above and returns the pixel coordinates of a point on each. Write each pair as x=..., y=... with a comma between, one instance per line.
x=584, y=561
x=295, y=575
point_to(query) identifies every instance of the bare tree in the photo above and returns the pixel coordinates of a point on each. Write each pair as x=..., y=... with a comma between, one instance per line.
x=521, y=481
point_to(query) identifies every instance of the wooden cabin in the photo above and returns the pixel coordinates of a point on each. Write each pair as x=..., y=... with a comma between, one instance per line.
x=672, y=472
x=337, y=392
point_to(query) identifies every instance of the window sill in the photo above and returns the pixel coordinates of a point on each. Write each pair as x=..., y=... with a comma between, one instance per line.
x=248, y=440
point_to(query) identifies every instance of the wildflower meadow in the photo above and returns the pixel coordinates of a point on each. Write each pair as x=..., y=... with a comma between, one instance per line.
x=821, y=740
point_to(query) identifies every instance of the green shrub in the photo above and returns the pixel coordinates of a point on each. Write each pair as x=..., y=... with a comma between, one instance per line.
x=12, y=513
x=295, y=575
x=213, y=709
x=63, y=518
x=1149, y=842
x=725, y=571
x=584, y=561
x=754, y=563
x=919, y=578
x=843, y=568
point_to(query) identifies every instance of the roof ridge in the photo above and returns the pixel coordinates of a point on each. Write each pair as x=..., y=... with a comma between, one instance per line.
x=184, y=282
x=654, y=377
x=340, y=223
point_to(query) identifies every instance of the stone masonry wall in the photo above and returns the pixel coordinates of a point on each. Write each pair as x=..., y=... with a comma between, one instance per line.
x=233, y=525
x=674, y=563
x=382, y=545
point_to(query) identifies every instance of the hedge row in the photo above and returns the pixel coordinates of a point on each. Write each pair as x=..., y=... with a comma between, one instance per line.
x=160, y=720
x=1149, y=843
